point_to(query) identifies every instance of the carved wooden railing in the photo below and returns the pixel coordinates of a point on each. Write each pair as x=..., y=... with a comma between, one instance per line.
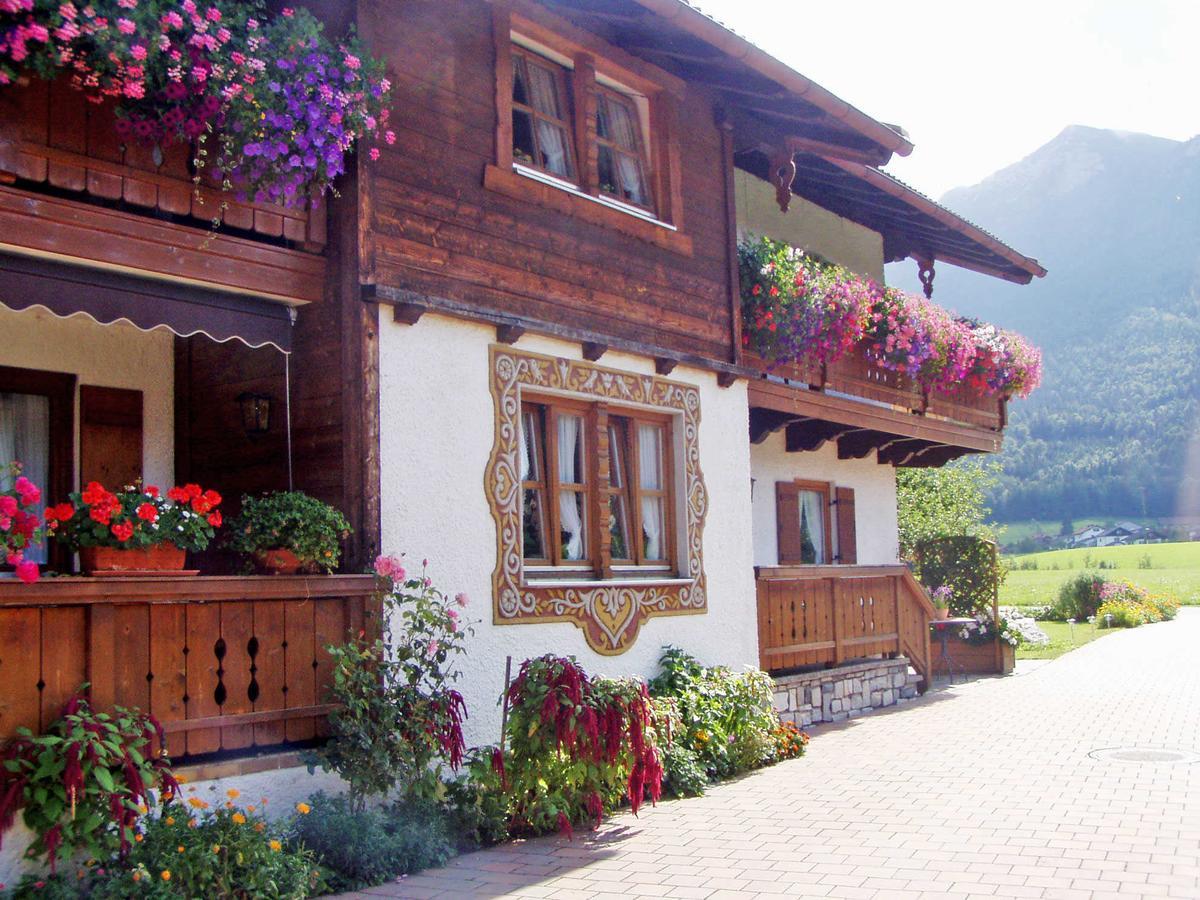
x=856, y=375
x=826, y=615
x=227, y=664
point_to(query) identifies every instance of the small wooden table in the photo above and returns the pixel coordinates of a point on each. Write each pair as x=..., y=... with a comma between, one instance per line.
x=942, y=628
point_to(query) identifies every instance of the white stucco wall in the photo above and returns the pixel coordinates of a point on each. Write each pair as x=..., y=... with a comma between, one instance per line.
x=874, y=488
x=437, y=417
x=117, y=356
x=807, y=226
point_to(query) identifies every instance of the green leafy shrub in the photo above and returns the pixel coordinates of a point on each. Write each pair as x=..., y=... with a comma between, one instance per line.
x=43, y=887
x=83, y=784
x=476, y=801
x=373, y=845
x=290, y=520
x=223, y=851
x=575, y=746
x=727, y=718
x=1079, y=598
x=398, y=718
x=684, y=774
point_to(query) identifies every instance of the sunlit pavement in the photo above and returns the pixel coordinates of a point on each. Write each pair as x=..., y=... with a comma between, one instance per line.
x=994, y=788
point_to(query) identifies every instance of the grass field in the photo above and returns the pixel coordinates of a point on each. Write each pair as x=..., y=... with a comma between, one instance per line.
x=1062, y=639
x=1174, y=568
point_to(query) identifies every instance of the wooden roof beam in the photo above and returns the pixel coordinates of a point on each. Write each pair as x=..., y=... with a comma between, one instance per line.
x=813, y=434
x=765, y=422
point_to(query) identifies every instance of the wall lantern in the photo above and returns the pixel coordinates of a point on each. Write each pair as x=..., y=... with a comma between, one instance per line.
x=256, y=413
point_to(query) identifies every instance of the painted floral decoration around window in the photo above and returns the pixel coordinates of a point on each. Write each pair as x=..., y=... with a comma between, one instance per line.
x=609, y=612
x=797, y=309
x=286, y=103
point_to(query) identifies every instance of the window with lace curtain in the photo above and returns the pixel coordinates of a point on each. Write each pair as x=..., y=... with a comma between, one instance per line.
x=596, y=489
x=620, y=149
x=541, y=115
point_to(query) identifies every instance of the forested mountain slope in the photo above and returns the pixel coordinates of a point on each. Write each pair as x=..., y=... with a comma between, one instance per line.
x=1115, y=217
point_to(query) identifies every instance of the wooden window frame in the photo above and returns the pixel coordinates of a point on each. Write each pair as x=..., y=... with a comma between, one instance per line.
x=562, y=80
x=521, y=27
x=826, y=490
x=598, y=490
x=59, y=388
x=642, y=153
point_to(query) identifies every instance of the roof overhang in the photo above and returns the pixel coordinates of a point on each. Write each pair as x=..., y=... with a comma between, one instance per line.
x=770, y=97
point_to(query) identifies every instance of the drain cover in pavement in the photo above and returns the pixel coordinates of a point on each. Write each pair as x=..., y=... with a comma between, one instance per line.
x=1145, y=755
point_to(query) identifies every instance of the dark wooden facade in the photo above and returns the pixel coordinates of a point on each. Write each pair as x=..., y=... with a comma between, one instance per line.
x=434, y=227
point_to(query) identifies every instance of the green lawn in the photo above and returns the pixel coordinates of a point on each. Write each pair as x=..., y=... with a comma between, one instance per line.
x=1174, y=568
x=1062, y=639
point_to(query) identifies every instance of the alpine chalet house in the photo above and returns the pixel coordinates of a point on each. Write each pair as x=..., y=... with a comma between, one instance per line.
x=512, y=343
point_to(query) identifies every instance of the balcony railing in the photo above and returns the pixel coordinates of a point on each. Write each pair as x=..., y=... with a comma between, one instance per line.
x=227, y=664
x=856, y=375
x=826, y=615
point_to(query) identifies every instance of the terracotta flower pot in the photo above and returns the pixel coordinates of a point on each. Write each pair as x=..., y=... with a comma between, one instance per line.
x=942, y=612
x=277, y=561
x=113, y=560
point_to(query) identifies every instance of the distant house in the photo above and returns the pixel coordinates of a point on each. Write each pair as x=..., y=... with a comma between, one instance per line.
x=1087, y=537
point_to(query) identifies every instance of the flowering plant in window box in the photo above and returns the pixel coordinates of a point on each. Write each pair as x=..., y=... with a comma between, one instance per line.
x=136, y=528
x=286, y=103
x=288, y=530
x=20, y=525
x=798, y=309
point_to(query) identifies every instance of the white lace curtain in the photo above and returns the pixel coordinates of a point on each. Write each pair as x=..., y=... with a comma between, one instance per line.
x=650, y=471
x=25, y=437
x=812, y=522
x=552, y=140
x=623, y=132
x=571, y=521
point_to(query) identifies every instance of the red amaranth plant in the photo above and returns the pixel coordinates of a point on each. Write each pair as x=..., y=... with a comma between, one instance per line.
x=576, y=745
x=84, y=783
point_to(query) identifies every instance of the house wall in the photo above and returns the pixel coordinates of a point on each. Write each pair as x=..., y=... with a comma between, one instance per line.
x=436, y=230
x=807, y=226
x=874, y=488
x=118, y=356
x=438, y=430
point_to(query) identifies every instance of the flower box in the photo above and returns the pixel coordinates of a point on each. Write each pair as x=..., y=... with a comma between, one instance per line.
x=161, y=558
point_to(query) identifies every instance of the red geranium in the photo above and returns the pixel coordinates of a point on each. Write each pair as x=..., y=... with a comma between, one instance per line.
x=214, y=519
x=123, y=531
x=148, y=512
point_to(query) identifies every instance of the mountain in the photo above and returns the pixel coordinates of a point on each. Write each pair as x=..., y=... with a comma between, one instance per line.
x=1115, y=218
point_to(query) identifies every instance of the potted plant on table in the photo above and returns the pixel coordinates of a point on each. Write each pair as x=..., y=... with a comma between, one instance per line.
x=288, y=531
x=136, y=529
x=941, y=600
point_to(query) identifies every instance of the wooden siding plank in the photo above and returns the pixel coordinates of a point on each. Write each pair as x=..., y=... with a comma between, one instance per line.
x=237, y=628
x=168, y=665
x=270, y=674
x=63, y=631
x=299, y=657
x=20, y=670
x=131, y=656
x=203, y=631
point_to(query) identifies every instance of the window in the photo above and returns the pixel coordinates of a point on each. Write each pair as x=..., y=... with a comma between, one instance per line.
x=620, y=151
x=804, y=516
x=540, y=118
x=37, y=428
x=570, y=519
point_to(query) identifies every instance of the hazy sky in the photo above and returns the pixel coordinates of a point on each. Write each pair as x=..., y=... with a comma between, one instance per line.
x=979, y=85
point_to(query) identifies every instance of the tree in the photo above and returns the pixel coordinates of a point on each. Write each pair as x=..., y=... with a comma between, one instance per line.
x=944, y=502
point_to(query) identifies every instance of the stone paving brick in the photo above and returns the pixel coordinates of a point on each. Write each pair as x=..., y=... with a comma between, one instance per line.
x=983, y=789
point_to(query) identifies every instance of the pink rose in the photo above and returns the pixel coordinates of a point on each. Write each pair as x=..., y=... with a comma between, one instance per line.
x=460, y=598
x=8, y=505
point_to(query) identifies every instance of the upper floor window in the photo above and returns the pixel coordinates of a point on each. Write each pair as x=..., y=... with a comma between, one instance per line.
x=540, y=115
x=620, y=150
x=596, y=488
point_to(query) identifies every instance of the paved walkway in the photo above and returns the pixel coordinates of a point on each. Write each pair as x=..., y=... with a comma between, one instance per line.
x=986, y=789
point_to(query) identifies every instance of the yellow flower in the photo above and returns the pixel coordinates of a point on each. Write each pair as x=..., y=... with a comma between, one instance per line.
x=137, y=838
x=303, y=808
x=276, y=846
x=142, y=808
x=197, y=803
x=260, y=827
x=250, y=808
x=216, y=848
x=137, y=876
x=179, y=849
x=181, y=779
x=238, y=818
x=170, y=820
x=233, y=793
x=166, y=875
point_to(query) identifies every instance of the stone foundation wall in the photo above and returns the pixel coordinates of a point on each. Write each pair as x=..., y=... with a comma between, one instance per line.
x=831, y=695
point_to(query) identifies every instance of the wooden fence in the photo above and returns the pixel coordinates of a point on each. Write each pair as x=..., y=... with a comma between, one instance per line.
x=825, y=615
x=225, y=663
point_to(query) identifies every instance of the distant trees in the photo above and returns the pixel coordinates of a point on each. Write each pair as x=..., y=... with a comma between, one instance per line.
x=944, y=502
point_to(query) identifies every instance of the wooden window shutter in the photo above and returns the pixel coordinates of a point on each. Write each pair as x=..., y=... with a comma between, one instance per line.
x=787, y=521
x=847, y=533
x=110, y=436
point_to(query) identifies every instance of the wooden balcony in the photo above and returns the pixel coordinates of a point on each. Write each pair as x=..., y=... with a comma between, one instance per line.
x=69, y=188
x=855, y=375
x=229, y=665
x=828, y=615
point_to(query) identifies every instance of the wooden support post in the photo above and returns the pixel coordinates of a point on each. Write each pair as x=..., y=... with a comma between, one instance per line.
x=509, y=334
